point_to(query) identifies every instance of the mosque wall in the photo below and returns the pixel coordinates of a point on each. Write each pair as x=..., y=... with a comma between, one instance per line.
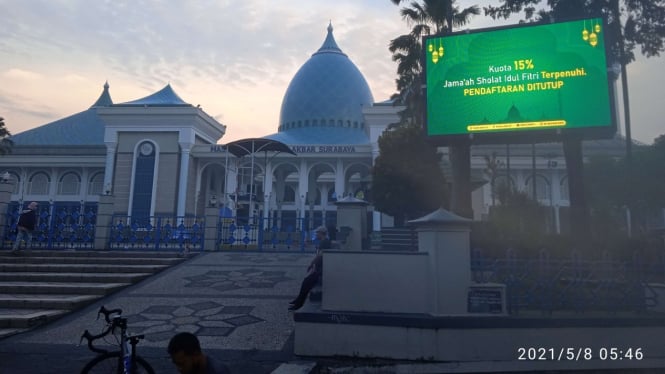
x=191, y=187
x=167, y=183
x=121, y=180
x=167, y=141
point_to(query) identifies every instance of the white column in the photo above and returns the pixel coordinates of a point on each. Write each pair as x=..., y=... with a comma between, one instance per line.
x=339, y=179
x=302, y=187
x=267, y=190
x=110, y=167
x=185, y=149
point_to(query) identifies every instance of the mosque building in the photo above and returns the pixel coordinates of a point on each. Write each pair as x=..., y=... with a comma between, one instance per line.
x=161, y=156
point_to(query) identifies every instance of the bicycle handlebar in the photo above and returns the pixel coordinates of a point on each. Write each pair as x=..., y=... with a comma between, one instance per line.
x=108, y=312
x=112, y=322
x=90, y=337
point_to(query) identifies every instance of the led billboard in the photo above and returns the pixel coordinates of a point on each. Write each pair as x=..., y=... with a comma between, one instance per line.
x=520, y=83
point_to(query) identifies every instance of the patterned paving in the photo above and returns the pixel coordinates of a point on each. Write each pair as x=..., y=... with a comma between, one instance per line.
x=228, y=280
x=208, y=318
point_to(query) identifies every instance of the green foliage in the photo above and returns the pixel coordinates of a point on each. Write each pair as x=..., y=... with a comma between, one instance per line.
x=407, y=180
x=611, y=187
x=643, y=25
x=426, y=17
x=6, y=143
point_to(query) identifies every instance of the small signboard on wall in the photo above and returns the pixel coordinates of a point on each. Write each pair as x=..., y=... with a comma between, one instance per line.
x=486, y=299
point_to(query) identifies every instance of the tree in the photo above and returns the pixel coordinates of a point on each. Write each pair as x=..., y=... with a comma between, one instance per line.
x=6, y=143
x=407, y=180
x=644, y=26
x=610, y=192
x=431, y=17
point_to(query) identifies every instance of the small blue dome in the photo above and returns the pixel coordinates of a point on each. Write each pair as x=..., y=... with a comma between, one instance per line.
x=327, y=92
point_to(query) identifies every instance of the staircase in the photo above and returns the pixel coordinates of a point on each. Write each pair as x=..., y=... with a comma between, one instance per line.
x=399, y=239
x=37, y=287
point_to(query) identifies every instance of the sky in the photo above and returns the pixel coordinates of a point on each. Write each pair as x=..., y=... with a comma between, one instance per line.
x=234, y=58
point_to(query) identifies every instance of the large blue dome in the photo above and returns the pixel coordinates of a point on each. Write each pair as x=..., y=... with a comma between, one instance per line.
x=327, y=93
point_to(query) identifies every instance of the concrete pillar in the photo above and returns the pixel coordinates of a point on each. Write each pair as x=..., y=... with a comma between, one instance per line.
x=352, y=212
x=183, y=178
x=104, y=221
x=445, y=237
x=6, y=188
x=212, y=216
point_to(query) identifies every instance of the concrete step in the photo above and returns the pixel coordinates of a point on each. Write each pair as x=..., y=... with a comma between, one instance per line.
x=27, y=318
x=100, y=289
x=80, y=268
x=5, y=333
x=45, y=301
x=38, y=286
x=22, y=258
x=72, y=277
x=95, y=254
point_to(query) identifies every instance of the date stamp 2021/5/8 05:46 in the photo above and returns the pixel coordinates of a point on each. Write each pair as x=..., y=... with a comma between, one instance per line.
x=579, y=353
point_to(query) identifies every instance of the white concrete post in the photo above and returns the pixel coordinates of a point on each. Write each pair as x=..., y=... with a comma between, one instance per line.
x=445, y=236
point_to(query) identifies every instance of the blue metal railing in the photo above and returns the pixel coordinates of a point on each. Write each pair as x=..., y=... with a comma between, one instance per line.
x=157, y=233
x=573, y=285
x=60, y=225
x=271, y=234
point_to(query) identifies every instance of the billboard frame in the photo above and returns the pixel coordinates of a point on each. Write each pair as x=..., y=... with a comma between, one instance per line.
x=523, y=136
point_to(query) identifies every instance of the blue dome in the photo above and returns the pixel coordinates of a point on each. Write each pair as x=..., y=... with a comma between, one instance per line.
x=327, y=92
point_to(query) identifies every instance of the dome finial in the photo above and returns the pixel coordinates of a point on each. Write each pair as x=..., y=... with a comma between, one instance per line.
x=105, y=98
x=329, y=45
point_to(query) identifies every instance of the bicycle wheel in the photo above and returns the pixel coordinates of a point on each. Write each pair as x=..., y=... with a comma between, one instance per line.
x=111, y=363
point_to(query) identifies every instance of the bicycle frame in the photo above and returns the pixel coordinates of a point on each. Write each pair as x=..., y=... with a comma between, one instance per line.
x=127, y=342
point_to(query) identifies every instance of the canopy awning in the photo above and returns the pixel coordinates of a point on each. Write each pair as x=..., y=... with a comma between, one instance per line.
x=244, y=147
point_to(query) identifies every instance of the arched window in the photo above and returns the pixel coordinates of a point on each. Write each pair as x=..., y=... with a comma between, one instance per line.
x=501, y=186
x=563, y=189
x=96, y=184
x=144, y=174
x=543, y=190
x=69, y=184
x=15, y=180
x=39, y=184
x=289, y=194
x=318, y=201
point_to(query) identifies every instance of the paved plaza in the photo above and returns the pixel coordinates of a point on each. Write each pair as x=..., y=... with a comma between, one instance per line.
x=235, y=302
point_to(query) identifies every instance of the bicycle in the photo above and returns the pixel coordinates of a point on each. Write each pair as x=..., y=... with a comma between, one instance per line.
x=123, y=361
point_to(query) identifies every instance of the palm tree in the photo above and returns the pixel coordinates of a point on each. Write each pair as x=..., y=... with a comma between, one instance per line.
x=430, y=17
x=5, y=142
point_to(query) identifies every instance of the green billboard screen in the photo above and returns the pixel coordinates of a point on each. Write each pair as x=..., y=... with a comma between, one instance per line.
x=516, y=84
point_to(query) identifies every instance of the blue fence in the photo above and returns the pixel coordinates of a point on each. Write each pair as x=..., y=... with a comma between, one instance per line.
x=287, y=233
x=554, y=285
x=60, y=225
x=157, y=233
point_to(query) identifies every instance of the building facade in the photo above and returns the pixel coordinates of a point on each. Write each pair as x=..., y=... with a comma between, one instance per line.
x=160, y=156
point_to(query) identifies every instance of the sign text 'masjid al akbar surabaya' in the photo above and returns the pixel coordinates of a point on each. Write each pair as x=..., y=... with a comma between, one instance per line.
x=323, y=148
x=305, y=148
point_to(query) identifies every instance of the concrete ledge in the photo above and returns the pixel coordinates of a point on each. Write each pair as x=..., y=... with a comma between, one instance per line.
x=475, y=339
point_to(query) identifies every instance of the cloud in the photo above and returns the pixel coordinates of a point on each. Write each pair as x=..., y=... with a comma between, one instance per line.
x=21, y=74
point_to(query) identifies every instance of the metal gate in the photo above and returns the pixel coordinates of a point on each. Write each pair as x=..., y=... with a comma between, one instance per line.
x=60, y=225
x=157, y=233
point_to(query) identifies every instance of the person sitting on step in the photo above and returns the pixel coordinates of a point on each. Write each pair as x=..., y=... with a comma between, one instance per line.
x=315, y=269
